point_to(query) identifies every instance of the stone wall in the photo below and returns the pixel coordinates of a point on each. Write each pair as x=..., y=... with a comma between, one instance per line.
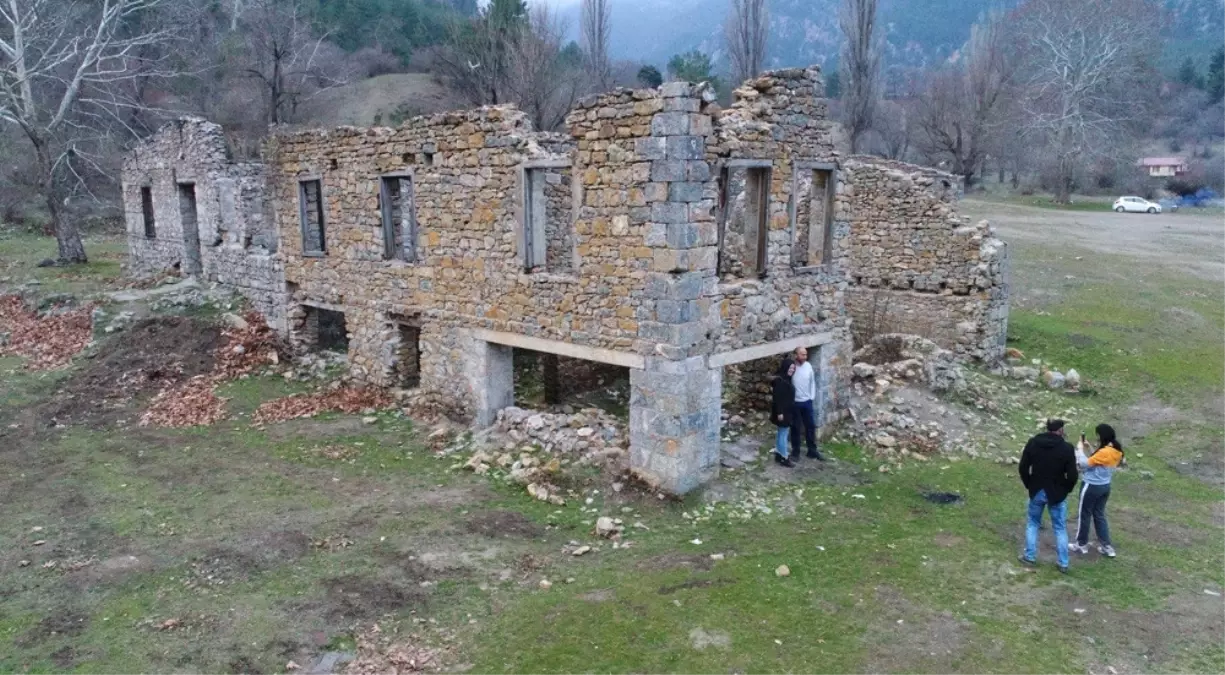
x=467, y=176
x=634, y=259
x=919, y=267
x=780, y=119
x=233, y=241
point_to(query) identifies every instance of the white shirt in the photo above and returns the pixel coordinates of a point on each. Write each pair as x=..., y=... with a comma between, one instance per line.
x=805, y=382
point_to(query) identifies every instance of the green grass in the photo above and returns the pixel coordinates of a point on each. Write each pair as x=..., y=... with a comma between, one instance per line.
x=20, y=253
x=277, y=543
x=1079, y=202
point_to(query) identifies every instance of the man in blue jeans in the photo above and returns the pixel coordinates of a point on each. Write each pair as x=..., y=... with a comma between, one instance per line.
x=803, y=415
x=1048, y=470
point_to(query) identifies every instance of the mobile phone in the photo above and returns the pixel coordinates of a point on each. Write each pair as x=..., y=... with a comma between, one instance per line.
x=1082, y=437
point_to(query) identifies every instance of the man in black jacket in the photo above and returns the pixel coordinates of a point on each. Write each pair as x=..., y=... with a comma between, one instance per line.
x=1048, y=470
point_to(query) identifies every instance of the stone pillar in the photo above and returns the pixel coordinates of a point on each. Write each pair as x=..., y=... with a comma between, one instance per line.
x=675, y=401
x=489, y=370
x=674, y=423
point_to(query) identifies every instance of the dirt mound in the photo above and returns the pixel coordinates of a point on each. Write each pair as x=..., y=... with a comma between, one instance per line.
x=149, y=356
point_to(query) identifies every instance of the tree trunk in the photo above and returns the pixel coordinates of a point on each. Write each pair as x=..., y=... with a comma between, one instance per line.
x=1063, y=193
x=1001, y=174
x=67, y=236
x=552, y=379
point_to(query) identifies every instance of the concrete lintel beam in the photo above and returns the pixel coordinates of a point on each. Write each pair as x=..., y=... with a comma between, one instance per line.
x=749, y=163
x=769, y=349
x=323, y=305
x=598, y=354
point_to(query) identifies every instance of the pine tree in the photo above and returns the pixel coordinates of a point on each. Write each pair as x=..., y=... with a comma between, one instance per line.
x=1188, y=76
x=1215, y=83
x=649, y=76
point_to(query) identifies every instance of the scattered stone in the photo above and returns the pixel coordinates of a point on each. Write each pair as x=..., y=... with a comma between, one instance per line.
x=716, y=556
x=581, y=550
x=545, y=584
x=1072, y=379
x=782, y=571
x=606, y=527
x=864, y=371
x=1053, y=379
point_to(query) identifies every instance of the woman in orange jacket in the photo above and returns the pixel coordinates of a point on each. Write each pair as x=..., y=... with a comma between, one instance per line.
x=1097, y=469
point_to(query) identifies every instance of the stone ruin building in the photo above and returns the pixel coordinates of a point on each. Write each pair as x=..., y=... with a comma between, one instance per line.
x=660, y=233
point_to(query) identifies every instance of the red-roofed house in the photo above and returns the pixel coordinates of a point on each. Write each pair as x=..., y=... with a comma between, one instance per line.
x=1162, y=167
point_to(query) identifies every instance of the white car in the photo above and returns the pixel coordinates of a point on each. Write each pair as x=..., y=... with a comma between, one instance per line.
x=1136, y=205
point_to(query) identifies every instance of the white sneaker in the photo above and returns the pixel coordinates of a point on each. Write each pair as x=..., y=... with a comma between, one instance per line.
x=1107, y=551
x=1077, y=548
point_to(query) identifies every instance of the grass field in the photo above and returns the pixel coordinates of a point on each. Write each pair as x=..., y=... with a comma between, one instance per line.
x=241, y=548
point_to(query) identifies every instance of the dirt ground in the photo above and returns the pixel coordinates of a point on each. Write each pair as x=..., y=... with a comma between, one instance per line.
x=1188, y=240
x=245, y=548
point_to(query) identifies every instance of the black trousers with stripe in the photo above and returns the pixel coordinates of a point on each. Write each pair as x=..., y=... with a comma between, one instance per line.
x=1093, y=514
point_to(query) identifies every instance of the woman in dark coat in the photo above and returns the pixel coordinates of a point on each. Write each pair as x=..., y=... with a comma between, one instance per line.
x=781, y=403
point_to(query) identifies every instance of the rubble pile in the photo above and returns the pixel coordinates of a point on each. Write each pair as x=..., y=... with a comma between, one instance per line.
x=894, y=404
x=432, y=406
x=249, y=344
x=911, y=399
x=532, y=448
x=1038, y=372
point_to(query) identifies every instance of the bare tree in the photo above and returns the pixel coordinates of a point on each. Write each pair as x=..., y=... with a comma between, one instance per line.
x=542, y=84
x=746, y=30
x=861, y=51
x=596, y=29
x=1084, y=60
x=895, y=128
x=963, y=105
x=476, y=61
x=63, y=64
x=285, y=57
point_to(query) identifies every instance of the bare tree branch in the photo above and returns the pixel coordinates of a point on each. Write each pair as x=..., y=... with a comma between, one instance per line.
x=64, y=65
x=746, y=31
x=861, y=56
x=596, y=29
x=1086, y=65
x=963, y=106
x=543, y=86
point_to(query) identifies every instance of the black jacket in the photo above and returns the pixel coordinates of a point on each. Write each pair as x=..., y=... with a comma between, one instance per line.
x=1049, y=463
x=782, y=400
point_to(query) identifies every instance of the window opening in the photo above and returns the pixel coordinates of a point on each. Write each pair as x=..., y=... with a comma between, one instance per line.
x=399, y=218
x=744, y=221
x=146, y=209
x=548, y=226
x=310, y=211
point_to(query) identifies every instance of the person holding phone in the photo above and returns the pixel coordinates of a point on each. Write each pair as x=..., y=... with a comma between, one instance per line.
x=1098, y=469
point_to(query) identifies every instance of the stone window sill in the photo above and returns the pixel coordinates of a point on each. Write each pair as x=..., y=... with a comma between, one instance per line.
x=314, y=254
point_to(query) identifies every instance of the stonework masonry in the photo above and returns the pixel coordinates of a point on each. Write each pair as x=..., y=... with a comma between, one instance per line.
x=659, y=233
x=917, y=266
x=189, y=179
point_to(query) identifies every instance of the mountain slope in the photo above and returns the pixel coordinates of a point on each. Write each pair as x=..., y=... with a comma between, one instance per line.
x=917, y=32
